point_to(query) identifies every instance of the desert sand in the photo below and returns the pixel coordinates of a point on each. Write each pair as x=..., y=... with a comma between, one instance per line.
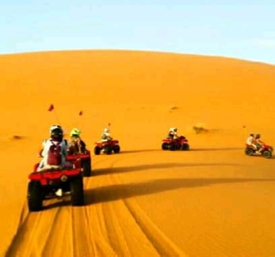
x=212, y=201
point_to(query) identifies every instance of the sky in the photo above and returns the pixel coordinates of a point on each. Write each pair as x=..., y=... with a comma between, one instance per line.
x=240, y=29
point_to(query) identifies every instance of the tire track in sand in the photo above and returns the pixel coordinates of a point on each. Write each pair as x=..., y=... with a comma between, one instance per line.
x=32, y=233
x=104, y=228
x=162, y=244
x=127, y=228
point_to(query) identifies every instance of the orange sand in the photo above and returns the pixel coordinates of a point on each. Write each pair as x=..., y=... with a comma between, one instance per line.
x=210, y=201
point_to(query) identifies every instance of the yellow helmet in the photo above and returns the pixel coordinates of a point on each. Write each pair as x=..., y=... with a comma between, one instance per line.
x=75, y=132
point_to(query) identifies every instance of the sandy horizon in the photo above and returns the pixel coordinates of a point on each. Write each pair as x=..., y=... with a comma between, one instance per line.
x=210, y=201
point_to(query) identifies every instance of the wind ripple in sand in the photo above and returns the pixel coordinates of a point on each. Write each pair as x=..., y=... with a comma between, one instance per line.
x=114, y=228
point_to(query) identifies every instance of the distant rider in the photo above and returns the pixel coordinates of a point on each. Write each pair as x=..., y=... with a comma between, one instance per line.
x=105, y=137
x=173, y=133
x=250, y=141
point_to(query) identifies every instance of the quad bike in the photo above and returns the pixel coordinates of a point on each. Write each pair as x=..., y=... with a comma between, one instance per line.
x=181, y=143
x=107, y=147
x=266, y=151
x=85, y=160
x=44, y=184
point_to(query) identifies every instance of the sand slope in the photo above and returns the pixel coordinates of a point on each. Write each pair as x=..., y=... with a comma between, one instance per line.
x=211, y=201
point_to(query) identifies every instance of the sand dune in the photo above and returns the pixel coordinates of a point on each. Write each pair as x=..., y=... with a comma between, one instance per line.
x=210, y=201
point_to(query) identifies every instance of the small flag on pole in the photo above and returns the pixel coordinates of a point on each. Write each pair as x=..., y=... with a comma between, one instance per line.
x=80, y=113
x=51, y=108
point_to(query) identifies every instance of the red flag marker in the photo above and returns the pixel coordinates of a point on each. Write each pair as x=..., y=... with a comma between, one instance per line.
x=51, y=108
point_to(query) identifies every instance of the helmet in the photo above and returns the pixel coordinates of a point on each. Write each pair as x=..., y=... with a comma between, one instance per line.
x=75, y=132
x=106, y=130
x=258, y=136
x=173, y=130
x=56, y=132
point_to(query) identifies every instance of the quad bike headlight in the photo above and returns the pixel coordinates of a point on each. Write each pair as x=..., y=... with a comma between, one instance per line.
x=63, y=178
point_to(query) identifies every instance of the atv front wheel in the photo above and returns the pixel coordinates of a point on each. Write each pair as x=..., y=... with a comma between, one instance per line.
x=249, y=151
x=97, y=150
x=108, y=150
x=267, y=154
x=185, y=147
x=172, y=147
x=77, y=191
x=116, y=149
x=35, y=196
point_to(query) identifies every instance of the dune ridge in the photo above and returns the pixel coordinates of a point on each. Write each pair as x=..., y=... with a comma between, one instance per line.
x=210, y=201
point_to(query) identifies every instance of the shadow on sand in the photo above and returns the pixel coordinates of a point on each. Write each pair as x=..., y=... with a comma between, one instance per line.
x=140, y=151
x=191, y=149
x=144, y=167
x=217, y=149
x=123, y=191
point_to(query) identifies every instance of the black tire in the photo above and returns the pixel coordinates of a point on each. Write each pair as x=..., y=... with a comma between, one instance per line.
x=172, y=147
x=116, y=149
x=267, y=154
x=77, y=191
x=108, y=150
x=164, y=146
x=97, y=150
x=35, y=196
x=86, y=166
x=249, y=151
x=185, y=147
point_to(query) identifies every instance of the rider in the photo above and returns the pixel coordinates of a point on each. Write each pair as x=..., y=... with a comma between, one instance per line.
x=106, y=135
x=77, y=145
x=173, y=133
x=56, y=140
x=250, y=141
x=259, y=143
x=56, y=136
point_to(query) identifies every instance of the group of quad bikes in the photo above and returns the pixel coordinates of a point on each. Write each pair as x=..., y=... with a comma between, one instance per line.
x=43, y=185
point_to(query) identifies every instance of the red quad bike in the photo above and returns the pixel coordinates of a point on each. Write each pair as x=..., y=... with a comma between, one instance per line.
x=180, y=143
x=107, y=147
x=266, y=151
x=43, y=185
x=85, y=160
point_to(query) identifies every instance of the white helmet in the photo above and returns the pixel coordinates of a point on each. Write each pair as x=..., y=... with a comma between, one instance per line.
x=106, y=130
x=173, y=130
x=55, y=127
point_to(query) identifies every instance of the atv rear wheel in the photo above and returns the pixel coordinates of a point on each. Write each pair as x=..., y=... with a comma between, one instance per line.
x=77, y=191
x=97, y=150
x=185, y=147
x=164, y=146
x=116, y=149
x=249, y=151
x=267, y=154
x=86, y=166
x=35, y=196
